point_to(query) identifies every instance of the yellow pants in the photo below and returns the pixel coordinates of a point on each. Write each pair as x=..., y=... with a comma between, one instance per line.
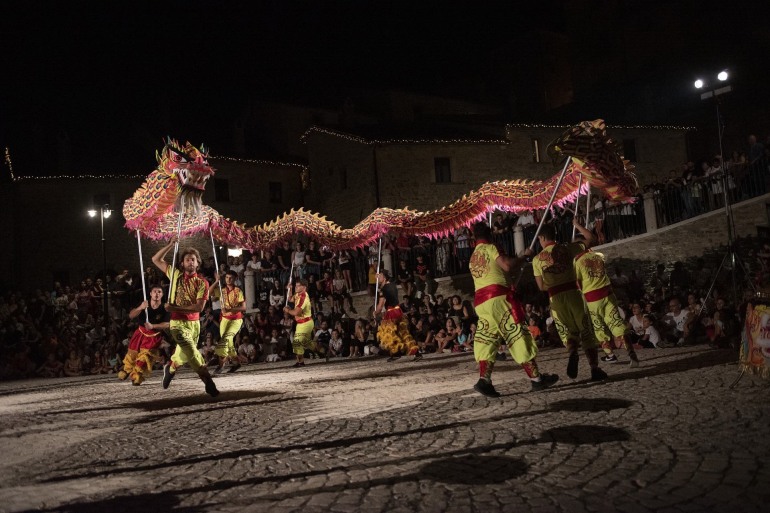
x=394, y=337
x=496, y=324
x=185, y=334
x=571, y=319
x=228, y=328
x=605, y=317
x=139, y=363
x=303, y=338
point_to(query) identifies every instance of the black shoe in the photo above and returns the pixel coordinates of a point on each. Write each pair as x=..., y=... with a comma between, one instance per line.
x=219, y=369
x=417, y=357
x=167, y=375
x=610, y=358
x=211, y=388
x=572, y=365
x=234, y=367
x=214, y=362
x=299, y=364
x=394, y=358
x=598, y=375
x=484, y=387
x=546, y=380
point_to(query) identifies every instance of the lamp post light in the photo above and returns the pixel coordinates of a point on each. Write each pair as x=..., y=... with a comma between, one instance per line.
x=104, y=212
x=714, y=89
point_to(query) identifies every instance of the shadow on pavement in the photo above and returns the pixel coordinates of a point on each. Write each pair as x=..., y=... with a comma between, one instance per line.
x=473, y=469
x=176, y=402
x=166, y=501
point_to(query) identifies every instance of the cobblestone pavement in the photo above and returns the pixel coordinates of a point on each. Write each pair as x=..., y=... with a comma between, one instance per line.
x=369, y=435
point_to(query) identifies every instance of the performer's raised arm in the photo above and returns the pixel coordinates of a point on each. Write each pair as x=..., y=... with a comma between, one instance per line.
x=158, y=258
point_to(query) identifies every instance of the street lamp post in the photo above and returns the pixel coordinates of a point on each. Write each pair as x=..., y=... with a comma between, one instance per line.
x=104, y=212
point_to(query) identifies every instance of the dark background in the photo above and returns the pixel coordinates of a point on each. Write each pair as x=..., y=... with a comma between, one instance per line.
x=113, y=78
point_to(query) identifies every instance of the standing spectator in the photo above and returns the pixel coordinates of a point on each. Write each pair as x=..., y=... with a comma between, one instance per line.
x=284, y=256
x=346, y=266
x=463, y=248
x=312, y=260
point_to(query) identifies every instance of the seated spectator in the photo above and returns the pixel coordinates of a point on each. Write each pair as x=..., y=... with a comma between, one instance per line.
x=73, y=366
x=52, y=368
x=335, y=344
x=675, y=321
x=651, y=338
x=446, y=338
x=247, y=351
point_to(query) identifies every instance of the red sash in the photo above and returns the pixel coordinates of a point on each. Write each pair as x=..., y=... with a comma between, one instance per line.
x=491, y=291
x=596, y=295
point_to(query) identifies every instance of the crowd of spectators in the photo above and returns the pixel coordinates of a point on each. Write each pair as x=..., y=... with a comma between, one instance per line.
x=63, y=331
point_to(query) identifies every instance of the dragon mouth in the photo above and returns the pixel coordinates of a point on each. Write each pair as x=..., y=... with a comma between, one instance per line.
x=192, y=179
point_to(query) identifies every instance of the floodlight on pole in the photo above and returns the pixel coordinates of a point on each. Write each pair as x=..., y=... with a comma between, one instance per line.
x=722, y=76
x=92, y=213
x=698, y=84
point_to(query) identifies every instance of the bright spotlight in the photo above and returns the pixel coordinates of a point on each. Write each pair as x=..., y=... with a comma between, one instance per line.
x=92, y=213
x=722, y=76
x=698, y=84
x=234, y=252
x=107, y=213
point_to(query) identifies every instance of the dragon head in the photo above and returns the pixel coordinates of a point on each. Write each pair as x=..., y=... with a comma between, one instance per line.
x=595, y=155
x=190, y=167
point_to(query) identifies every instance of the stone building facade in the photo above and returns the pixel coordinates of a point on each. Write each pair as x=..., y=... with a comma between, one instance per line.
x=47, y=234
x=351, y=174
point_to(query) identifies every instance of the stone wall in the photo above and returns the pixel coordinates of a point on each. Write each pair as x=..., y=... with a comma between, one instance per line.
x=691, y=237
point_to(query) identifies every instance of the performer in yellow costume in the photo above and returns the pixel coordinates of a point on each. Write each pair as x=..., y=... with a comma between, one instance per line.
x=602, y=305
x=393, y=333
x=501, y=317
x=303, y=332
x=555, y=273
x=233, y=306
x=189, y=293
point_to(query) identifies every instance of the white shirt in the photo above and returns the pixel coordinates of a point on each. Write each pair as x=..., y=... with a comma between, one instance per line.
x=654, y=336
x=636, y=325
x=677, y=321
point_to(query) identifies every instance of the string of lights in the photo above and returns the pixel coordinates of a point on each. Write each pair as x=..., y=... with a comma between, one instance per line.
x=76, y=177
x=362, y=140
x=8, y=162
x=617, y=127
x=131, y=177
x=260, y=161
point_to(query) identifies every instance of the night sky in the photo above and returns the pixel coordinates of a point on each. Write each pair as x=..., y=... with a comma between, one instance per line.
x=116, y=77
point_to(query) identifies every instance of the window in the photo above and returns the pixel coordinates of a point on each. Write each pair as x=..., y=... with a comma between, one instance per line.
x=276, y=193
x=535, y=150
x=629, y=149
x=343, y=178
x=221, y=189
x=443, y=171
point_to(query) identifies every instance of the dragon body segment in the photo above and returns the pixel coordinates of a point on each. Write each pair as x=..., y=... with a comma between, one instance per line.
x=178, y=183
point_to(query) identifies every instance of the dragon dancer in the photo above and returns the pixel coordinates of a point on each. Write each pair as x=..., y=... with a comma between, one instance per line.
x=602, y=305
x=393, y=333
x=554, y=272
x=501, y=317
x=147, y=338
x=303, y=332
x=189, y=292
x=233, y=306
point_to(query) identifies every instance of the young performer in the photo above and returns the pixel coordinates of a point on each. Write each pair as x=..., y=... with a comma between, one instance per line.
x=555, y=273
x=393, y=333
x=501, y=317
x=233, y=306
x=189, y=293
x=143, y=347
x=303, y=332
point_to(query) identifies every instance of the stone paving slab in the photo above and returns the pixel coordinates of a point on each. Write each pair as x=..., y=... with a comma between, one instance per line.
x=371, y=435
